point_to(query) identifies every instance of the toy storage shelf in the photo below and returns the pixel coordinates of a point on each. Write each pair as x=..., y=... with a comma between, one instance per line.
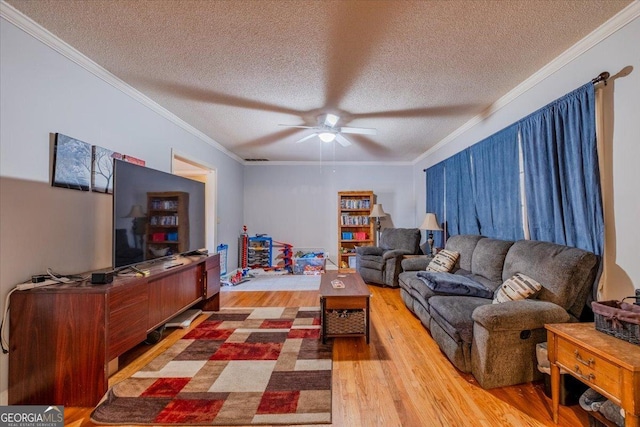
x=259, y=252
x=355, y=228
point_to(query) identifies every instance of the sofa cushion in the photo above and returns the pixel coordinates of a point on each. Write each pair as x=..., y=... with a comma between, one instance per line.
x=444, y=261
x=454, y=284
x=404, y=279
x=421, y=291
x=453, y=314
x=567, y=274
x=464, y=244
x=517, y=287
x=480, y=279
x=488, y=258
x=415, y=263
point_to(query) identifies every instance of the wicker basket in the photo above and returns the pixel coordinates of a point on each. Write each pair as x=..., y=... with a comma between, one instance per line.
x=619, y=319
x=345, y=322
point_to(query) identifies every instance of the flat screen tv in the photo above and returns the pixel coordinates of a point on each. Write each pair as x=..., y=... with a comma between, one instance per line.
x=155, y=214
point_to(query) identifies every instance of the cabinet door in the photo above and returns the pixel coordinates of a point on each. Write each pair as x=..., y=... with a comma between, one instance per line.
x=211, y=284
x=58, y=348
x=212, y=276
x=128, y=314
x=173, y=294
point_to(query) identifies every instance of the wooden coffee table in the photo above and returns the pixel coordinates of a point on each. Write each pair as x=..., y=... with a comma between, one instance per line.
x=337, y=306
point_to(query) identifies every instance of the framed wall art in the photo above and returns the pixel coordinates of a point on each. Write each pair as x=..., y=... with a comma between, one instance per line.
x=102, y=169
x=71, y=163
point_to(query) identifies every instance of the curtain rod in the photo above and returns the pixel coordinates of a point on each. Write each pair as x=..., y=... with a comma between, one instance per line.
x=602, y=77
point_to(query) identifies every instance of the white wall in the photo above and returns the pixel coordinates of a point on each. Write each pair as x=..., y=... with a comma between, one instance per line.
x=67, y=230
x=297, y=204
x=621, y=173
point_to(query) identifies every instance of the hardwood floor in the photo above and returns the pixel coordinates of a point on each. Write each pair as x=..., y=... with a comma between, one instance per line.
x=400, y=379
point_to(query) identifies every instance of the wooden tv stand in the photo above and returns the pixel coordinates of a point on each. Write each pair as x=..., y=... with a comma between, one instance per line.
x=63, y=337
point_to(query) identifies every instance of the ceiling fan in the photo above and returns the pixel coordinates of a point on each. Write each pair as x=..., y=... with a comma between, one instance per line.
x=327, y=130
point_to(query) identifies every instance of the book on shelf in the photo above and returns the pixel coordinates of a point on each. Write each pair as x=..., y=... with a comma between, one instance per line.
x=347, y=219
x=355, y=204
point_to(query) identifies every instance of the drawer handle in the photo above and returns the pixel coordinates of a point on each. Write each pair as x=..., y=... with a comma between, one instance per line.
x=584, y=362
x=589, y=377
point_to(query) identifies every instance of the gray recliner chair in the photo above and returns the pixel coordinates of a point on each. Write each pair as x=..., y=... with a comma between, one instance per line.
x=381, y=264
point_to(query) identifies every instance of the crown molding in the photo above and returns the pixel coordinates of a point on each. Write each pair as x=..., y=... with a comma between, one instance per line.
x=324, y=163
x=619, y=20
x=29, y=26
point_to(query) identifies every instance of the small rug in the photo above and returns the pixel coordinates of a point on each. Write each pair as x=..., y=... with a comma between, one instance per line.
x=241, y=366
x=291, y=282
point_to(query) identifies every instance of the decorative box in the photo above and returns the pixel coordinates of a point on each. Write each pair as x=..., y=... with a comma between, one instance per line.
x=158, y=237
x=347, y=235
x=360, y=235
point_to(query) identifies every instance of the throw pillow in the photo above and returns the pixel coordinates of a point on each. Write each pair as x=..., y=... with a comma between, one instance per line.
x=444, y=261
x=517, y=287
x=454, y=284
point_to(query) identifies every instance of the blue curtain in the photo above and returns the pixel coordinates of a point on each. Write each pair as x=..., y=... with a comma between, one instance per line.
x=496, y=183
x=460, y=208
x=562, y=180
x=435, y=199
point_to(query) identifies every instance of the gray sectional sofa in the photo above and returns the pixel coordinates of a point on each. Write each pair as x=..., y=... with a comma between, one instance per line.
x=497, y=342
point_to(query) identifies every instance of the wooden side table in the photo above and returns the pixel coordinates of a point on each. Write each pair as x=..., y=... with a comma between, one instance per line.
x=607, y=364
x=354, y=296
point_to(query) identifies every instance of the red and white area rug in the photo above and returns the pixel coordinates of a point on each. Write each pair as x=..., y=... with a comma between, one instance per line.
x=239, y=367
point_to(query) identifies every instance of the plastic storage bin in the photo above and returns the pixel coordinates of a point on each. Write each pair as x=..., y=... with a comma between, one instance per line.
x=308, y=261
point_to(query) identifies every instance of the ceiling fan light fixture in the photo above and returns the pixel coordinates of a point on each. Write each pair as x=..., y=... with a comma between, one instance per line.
x=331, y=120
x=327, y=136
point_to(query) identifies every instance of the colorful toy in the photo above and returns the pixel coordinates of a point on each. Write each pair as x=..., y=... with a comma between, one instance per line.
x=243, y=246
x=285, y=256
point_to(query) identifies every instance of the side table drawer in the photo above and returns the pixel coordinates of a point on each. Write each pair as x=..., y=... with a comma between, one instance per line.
x=589, y=367
x=346, y=303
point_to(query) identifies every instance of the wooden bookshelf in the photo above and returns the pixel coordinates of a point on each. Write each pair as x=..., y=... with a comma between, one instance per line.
x=355, y=227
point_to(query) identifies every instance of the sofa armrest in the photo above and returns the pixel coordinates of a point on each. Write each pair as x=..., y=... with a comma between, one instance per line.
x=395, y=253
x=519, y=315
x=416, y=263
x=369, y=250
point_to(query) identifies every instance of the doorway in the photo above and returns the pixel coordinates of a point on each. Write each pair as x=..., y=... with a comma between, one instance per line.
x=183, y=166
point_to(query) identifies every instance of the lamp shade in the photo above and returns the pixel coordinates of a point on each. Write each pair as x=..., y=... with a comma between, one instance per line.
x=377, y=212
x=136, y=212
x=430, y=223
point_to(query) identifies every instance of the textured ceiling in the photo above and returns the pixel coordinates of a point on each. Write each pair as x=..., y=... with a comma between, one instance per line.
x=414, y=70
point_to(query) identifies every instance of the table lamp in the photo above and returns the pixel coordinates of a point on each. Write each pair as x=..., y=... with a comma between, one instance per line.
x=377, y=212
x=430, y=224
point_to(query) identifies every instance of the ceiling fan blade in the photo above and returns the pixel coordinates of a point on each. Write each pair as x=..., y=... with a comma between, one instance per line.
x=359, y=131
x=342, y=140
x=307, y=137
x=299, y=127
